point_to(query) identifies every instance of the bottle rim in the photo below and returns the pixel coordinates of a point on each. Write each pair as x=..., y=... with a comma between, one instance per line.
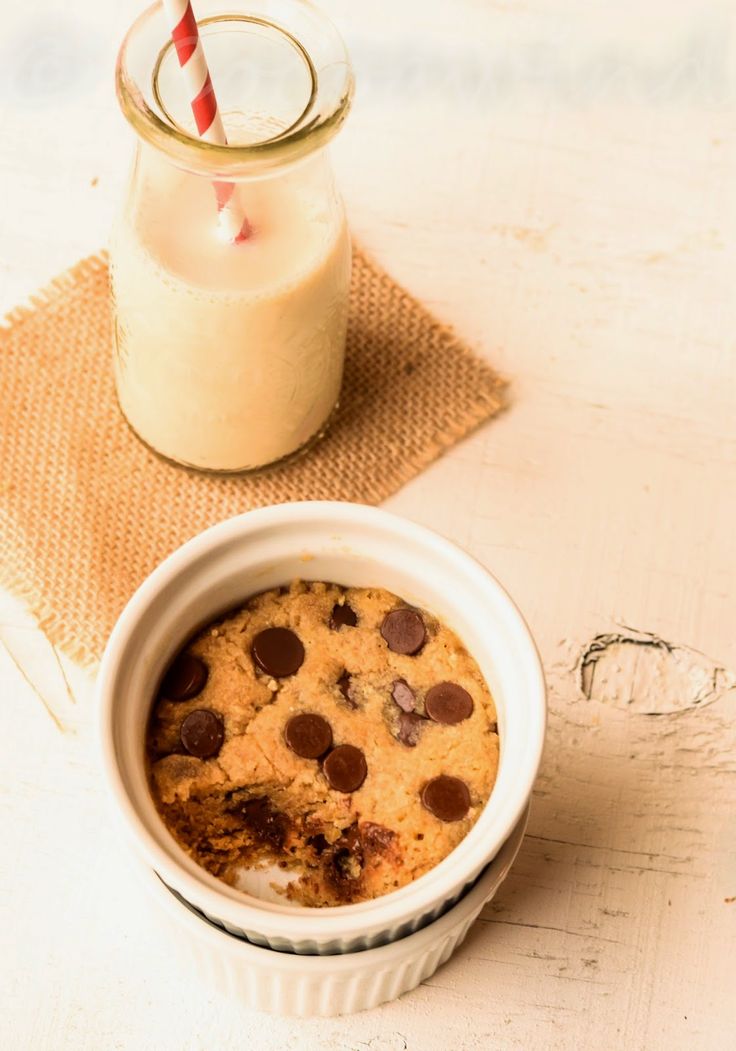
x=319, y=121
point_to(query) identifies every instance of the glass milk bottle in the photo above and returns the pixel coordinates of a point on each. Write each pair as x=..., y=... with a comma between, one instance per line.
x=229, y=356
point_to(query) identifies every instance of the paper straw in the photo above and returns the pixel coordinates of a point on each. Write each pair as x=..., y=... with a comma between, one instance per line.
x=190, y=52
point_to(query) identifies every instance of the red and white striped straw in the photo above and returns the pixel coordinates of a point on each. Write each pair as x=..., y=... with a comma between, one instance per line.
x=190, y=52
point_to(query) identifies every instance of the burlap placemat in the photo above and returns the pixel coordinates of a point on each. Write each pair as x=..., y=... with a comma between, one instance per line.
x=86, y=511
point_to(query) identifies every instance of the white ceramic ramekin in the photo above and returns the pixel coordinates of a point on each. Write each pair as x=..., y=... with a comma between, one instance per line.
x=284, y=983
x=351, y=545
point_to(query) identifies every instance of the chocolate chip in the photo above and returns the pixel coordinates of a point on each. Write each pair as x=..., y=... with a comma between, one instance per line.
x=403, y=631
x=267, y=825
x=410, y=728
x=308, y=735
x=185, y=678
x=342, y=616
x=403, y=694
x=202, y=733
x=448, y=703
x=376, y=838
x=446, y=797
x=345, y=768
x=345, y=683
x=278, y=652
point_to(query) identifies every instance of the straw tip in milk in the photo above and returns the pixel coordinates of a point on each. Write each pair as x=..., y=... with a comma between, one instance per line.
x=234, y=233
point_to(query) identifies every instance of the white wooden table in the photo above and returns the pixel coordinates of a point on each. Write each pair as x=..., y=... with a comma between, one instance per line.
x=558, y=181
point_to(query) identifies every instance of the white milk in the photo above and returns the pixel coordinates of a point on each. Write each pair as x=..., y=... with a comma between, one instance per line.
x=228, y=356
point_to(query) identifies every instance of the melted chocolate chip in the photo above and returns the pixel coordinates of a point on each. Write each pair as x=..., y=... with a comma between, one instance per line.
x=345, y=768
x=267, y=825
x=446, y=797
x=403, y=694
x=346, y=866
x=342, y=616
x=202, y=733
x=318, y=843
x=346, y=689
x=343, y=863
x=185, y=678
x=376, y=838
x=448, y=703
x=410, y=728
x=403, y=631
x=278, y=652
x=308, y=735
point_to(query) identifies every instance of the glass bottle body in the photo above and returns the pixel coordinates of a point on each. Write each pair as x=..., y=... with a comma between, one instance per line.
x=229, y=357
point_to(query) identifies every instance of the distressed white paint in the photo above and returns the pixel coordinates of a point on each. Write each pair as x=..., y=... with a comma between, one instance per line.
x=558, y=181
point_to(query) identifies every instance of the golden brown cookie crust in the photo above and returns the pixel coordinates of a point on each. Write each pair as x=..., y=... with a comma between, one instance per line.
x=257, y=801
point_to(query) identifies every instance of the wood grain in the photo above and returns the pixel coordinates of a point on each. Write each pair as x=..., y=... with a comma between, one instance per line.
x=555, y=180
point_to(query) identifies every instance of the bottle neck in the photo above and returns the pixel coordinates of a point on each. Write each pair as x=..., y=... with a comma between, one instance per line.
x=283, y=86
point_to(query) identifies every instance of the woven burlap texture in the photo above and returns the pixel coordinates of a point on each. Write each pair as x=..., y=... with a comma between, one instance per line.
x=86, y=511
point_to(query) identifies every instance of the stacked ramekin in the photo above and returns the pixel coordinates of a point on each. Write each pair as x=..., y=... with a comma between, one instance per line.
x=403, y=933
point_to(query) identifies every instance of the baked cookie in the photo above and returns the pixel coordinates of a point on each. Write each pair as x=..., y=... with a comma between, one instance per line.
x=337, y=732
